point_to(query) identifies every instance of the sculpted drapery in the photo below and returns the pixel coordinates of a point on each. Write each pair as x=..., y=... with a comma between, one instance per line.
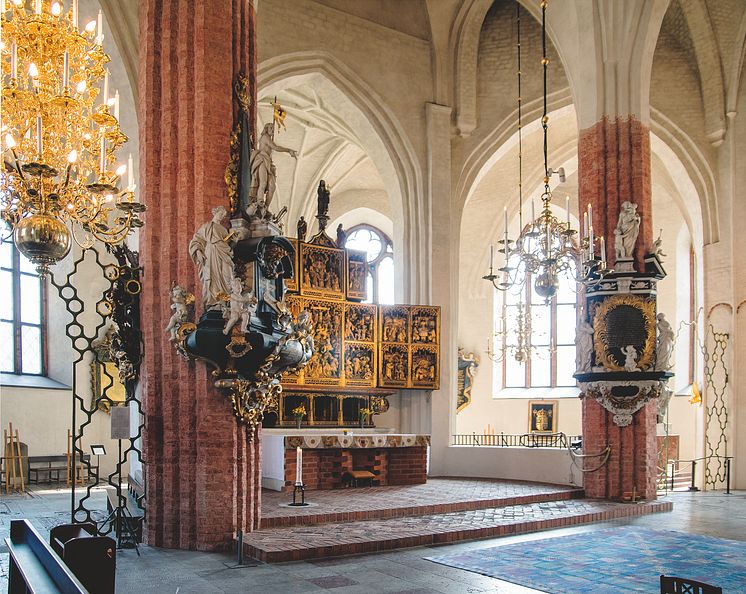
x=213, y=256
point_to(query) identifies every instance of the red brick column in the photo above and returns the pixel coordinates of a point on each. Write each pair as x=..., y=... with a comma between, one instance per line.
x=614, y=167
x=201, y=470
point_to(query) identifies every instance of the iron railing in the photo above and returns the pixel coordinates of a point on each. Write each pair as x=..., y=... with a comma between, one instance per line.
x=667, y=476
x=516, y=440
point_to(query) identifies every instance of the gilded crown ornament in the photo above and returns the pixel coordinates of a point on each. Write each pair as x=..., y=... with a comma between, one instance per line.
x=60, y=133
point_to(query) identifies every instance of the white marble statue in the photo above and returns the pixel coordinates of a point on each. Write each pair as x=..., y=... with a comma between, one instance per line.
x=263, y=173
x=665, y=345
x=583, y=347
x=627, y=229
x=630, y=358
x=213, y=256
x=241, y=306
x=180, y=300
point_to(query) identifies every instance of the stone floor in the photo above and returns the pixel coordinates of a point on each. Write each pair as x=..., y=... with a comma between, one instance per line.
x=404, y=571
x=438, y=495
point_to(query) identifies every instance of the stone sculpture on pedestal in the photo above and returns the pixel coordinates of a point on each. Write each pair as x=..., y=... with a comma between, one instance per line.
x=213, y=257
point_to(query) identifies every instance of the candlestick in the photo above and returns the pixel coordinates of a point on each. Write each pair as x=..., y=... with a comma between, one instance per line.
x=13, y=60
x=39, y=143
x=100, y=27
x=102, y=156
x=298, y=466
x=65, y=71
x=130, y=174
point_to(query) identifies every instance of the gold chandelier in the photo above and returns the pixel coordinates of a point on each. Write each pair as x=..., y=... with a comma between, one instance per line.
x=60, y=135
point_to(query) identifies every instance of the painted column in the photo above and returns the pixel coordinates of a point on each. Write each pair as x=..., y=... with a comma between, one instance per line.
x=202, y=472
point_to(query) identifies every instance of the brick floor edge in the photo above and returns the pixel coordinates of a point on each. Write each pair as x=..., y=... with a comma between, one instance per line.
x=314, y=516
x=298, y=550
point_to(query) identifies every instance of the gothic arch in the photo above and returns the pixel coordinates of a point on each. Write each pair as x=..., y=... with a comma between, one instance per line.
x=686, y=163
x=464, y=47
x=387, y=145
x=709, y=66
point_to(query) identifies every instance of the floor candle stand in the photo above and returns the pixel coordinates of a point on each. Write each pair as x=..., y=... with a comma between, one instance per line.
x=299, y=488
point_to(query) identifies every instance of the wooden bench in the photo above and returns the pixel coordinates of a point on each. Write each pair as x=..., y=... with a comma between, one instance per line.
x=354, y=477
x=34, y=566
x=53, y=465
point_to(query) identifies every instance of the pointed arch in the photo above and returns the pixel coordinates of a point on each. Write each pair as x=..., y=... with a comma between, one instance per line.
x=389, y=148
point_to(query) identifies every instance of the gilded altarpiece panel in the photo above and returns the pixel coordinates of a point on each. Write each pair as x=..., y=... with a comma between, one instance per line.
x=357, y=275
x=322, y=272
x=325, y=366
x=360, y=344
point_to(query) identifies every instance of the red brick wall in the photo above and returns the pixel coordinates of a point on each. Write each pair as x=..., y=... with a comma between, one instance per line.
x=323, y=468
x=613, y=167
x=633, y=460
x=201, y=471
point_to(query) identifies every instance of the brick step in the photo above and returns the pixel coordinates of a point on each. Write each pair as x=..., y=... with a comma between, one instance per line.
x=373, y=504
x=295, y=543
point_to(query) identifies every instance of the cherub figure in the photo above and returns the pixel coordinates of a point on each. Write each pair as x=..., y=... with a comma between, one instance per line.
x=241, y=306
x=180, y=300
x=630, y=358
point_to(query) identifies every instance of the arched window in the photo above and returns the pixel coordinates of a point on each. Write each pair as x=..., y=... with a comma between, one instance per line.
x=380, y=250
x=549, y=328
x=21, y=313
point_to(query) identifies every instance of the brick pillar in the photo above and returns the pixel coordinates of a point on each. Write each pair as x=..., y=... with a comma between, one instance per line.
x=202, y=473
x=614, y=167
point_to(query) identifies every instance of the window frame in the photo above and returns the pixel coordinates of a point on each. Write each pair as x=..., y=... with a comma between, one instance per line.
x=18, y=324
x=552, y=345
x=374, y=264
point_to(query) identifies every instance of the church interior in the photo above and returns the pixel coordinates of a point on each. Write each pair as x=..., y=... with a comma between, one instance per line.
x=372, y=296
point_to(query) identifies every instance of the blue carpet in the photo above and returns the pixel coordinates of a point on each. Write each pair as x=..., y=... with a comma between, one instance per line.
x=625, y=559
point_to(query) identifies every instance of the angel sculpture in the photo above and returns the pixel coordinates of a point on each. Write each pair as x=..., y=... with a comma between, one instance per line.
x=241, y=306
x=630, y=358
x=180, y=300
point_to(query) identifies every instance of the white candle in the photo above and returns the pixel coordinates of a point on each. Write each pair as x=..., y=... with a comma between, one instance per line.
x=75, y=14
x=39, y=143
x=603, y=251
x=298, y=466
x=585, y=224
x=130, y=175
x=567, y=208
x=65, y=71
x=105, y=96
x=13, y=60
x=590, y=241
x=533, y=212
x=100, y=26
x=102, y=156
x=590, y=215
x=116, y=105
x=492, y=249
x=38, y=7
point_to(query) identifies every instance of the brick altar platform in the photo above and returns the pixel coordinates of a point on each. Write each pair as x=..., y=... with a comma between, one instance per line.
x=352, y=521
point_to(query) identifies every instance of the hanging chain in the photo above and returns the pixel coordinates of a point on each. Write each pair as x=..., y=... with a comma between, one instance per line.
x=520, y=124
x=545, y=117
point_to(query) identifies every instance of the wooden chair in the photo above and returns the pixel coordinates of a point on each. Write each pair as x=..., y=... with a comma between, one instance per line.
x=677, y=585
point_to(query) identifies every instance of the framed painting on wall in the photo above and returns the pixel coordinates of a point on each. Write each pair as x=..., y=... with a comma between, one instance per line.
x=542, y=416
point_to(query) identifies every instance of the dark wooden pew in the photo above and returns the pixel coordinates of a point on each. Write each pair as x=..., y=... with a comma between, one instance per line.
x=34, y=566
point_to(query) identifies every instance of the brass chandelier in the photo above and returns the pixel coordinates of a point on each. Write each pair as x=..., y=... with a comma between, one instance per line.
x=60, y=135
x=546, y=247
